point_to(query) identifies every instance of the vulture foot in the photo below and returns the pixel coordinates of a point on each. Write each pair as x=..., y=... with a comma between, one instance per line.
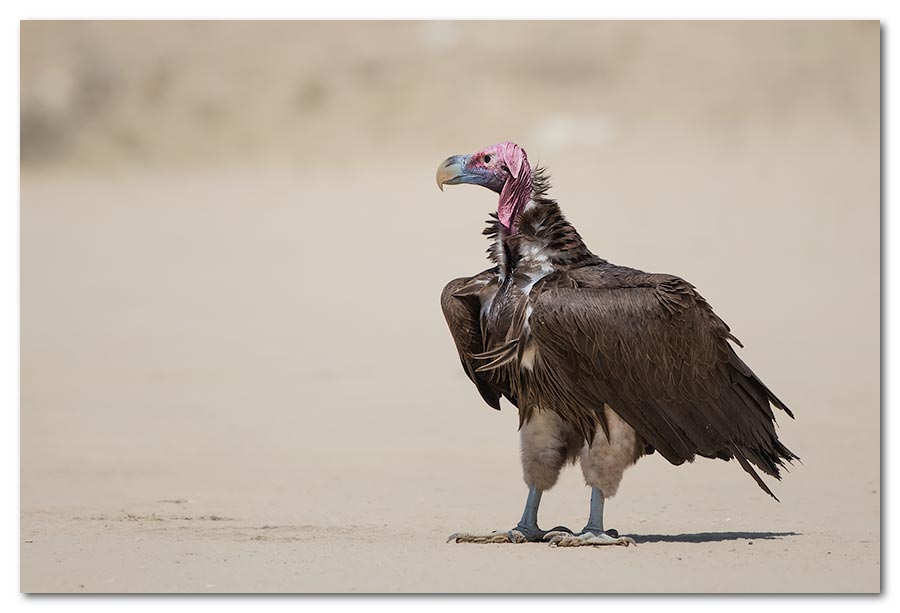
x=519, y=534
x=609, y=537
x=511, y=536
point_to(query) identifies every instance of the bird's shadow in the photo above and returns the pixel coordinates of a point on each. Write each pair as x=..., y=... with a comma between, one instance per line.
x=710, y=537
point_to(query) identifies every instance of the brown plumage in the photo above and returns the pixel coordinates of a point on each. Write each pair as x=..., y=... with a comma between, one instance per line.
x=552, y=327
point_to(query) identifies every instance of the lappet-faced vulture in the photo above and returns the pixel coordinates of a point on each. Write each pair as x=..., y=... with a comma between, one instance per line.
x=604, y=363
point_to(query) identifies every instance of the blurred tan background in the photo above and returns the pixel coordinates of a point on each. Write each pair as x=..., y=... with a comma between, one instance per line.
x=235, y=372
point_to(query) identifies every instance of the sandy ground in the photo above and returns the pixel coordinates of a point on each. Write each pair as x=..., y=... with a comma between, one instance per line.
x=236, y=377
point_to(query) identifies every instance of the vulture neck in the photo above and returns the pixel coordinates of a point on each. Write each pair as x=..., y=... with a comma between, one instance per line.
x=544, y=242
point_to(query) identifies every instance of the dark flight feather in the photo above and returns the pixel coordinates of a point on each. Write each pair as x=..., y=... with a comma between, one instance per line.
x=651, y=347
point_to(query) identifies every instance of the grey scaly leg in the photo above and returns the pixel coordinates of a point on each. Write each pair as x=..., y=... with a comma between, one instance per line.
x=595, y=519
x=593, y=533
x=528, y=524
x=527, y=530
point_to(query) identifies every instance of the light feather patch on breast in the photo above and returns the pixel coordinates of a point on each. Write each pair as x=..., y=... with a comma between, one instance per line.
x=535, y=262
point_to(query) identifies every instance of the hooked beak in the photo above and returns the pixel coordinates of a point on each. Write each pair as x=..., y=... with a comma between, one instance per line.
x=452, y=171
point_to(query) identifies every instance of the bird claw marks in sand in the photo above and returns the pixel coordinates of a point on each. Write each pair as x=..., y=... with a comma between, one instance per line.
x=585, y=539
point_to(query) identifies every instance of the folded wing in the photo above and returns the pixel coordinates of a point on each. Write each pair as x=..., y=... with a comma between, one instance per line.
x=651, y=348
x=461, y=305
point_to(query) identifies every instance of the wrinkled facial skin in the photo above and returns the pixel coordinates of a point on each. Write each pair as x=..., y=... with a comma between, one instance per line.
x=485, y=168
x=502, y=168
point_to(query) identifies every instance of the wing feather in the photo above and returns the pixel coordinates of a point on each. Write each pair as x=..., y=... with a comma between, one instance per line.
x=461, y=305
x=652, y=348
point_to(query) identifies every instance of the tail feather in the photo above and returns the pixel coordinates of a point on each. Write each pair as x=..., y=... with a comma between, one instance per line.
x=745, y=464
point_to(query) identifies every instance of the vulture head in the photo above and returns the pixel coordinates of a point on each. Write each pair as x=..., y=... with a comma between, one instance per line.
x=502, y=168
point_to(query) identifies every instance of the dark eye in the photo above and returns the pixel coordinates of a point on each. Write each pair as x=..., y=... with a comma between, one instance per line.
x=487, y=159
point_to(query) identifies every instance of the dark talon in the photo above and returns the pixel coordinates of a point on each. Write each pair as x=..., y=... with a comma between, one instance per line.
x=612, y=533
x=561, y=529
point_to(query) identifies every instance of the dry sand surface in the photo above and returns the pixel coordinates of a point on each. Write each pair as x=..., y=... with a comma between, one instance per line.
x=235, y=373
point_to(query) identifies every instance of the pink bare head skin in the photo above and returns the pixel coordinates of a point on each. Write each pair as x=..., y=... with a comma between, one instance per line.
x=502, y=168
